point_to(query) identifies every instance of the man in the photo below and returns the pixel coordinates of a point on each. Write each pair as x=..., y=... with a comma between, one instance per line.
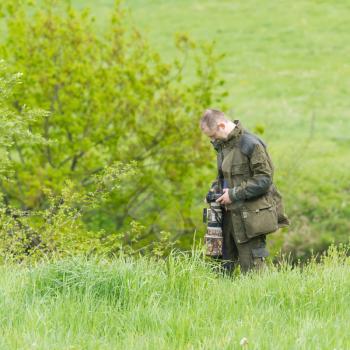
x=253, y=205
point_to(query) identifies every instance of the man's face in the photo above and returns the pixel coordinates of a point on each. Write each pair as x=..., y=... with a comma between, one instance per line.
x=217, y=133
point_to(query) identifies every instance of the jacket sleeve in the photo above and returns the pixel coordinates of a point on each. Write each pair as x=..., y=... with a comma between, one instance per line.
x=261, y=179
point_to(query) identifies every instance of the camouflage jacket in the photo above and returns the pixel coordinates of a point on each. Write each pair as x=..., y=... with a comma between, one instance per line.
x=247, y=170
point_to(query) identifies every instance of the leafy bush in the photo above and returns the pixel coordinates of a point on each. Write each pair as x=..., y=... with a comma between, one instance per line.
x=110, y=100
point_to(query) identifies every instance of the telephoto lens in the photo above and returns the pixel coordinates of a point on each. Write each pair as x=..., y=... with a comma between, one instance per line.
x=213, y=218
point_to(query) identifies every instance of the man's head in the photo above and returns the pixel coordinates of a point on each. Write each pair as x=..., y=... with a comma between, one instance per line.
x=215, y=124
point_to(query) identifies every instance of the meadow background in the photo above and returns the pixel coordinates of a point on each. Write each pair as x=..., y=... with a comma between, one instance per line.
x=286, y=73
x=104, y=171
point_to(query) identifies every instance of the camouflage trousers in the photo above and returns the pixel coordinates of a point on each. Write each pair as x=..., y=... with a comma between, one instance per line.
x=249, y=255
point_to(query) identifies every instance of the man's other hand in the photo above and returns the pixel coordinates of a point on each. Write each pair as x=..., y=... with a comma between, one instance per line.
x=224, y=199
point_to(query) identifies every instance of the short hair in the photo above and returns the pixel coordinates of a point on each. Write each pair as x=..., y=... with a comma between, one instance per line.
x=211, y=117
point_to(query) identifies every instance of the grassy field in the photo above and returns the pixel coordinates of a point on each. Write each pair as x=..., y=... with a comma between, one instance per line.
x=285, y=63
x=177, y=304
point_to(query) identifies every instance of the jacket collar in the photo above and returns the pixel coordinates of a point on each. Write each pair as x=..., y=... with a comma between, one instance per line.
x=232, y=137
x=235, y=134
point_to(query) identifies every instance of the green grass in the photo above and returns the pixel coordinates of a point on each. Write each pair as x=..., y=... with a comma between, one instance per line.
x=284, y=62
x=286, y=68
x=179, y=304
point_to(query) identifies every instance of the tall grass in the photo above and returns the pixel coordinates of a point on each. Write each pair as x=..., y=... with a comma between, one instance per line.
x=179, y=303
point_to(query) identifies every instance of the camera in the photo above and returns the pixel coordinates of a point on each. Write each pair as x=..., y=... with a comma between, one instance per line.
x=213, y=196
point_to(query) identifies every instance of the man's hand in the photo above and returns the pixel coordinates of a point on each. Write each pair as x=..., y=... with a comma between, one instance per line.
x=224, y=199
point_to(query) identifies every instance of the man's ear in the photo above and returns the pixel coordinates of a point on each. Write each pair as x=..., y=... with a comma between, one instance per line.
x=221, y=124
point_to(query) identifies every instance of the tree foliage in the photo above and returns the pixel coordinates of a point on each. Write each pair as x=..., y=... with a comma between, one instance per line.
x=110, y=99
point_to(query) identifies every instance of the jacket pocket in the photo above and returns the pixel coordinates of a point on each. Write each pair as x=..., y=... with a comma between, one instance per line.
x=238, y=227
x=259, y=219
x=240, y=169
x=239, y=173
